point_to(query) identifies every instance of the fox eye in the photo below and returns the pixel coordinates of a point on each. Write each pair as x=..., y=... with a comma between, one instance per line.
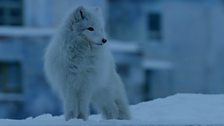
x=91, y=29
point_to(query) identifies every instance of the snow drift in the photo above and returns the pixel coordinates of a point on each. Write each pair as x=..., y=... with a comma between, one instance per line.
x=180, y=109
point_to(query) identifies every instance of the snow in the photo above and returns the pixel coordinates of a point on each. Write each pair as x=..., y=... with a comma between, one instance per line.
x=156, y=64
x=120, y=46
x=180, y=109
x=11, y=97
x=25, y=31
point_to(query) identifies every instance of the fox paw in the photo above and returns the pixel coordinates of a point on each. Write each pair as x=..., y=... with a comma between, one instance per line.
x=70, y=115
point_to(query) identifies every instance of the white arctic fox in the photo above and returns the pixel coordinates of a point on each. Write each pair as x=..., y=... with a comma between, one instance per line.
x=80, y=67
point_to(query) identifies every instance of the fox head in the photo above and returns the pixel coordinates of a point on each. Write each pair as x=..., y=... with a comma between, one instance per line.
x=89, y=25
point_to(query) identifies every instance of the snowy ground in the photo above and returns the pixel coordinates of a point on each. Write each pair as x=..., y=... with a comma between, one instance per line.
x=180, y=109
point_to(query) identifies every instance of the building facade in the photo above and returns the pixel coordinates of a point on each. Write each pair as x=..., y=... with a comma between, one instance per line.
x=160, y=47
x=185, y=37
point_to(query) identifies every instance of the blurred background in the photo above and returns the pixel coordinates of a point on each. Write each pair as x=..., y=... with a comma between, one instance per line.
x=161, y=47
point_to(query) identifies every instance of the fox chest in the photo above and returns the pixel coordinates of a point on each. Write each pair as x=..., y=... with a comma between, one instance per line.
x=78, y=63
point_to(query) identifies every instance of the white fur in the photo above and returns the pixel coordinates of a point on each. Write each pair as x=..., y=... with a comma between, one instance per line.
x=82, y=70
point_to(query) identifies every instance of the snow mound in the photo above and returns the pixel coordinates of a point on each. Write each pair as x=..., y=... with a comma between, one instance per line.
x=180, y=109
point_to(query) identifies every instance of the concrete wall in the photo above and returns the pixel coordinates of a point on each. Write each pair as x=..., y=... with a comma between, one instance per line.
x=50, y=13
x=194, y=30
x=186, y=29
x=215, y=58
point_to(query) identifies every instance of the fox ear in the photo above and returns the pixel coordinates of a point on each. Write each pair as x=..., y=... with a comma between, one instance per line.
x=80, y=13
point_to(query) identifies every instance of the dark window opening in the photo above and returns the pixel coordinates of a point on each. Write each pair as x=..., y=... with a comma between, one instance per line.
x=10, y=78
x=11, y=12
x=154, y=26
x=147, y=86
x=123, y=70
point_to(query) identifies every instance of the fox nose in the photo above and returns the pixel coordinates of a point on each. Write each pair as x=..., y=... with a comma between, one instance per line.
x=104, y=40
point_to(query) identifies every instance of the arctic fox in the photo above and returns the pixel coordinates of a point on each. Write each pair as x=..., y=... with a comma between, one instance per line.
x=80, y=67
